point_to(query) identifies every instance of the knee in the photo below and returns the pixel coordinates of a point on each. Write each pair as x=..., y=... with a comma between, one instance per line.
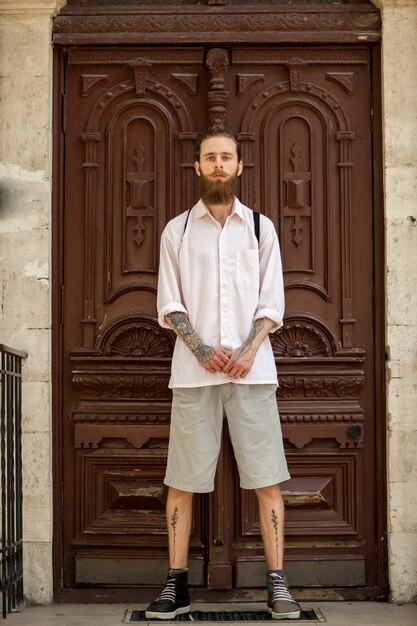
x=178, y=495
x=271, y=492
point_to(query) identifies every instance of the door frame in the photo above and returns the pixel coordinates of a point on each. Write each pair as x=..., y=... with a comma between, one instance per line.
x=70, y=29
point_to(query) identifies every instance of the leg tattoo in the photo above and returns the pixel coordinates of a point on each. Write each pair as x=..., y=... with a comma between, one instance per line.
x=174, y=521
x=274, y=519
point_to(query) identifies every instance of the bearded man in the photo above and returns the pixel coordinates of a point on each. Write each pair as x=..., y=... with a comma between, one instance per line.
x=221, y=291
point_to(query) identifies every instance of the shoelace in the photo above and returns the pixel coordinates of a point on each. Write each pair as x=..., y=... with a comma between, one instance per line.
x=169, y=591
x=280, y=591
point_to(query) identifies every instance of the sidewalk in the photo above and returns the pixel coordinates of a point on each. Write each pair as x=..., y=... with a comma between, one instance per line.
x=335, y=614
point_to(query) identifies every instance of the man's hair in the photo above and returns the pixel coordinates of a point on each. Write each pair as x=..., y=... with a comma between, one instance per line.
x=218, y=133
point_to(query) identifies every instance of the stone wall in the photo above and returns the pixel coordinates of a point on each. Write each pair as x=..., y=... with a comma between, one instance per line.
x=399, y=74
x=25, y=244
x=25, y=250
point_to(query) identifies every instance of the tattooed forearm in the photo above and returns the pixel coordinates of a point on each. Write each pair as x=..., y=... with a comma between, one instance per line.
x=174, y=521
x=274, y=519
x=180, y=323
x=246, y=345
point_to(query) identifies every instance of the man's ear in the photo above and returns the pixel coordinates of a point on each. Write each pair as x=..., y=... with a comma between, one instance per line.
x=197, y=168
x=240, y=168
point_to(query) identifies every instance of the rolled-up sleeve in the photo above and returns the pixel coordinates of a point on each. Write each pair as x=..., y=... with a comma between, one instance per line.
x=271, y=291
x=169, y=297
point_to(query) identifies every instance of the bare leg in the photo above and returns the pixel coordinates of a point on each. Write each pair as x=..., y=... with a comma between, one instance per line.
x=179, y=512
x=271, y=515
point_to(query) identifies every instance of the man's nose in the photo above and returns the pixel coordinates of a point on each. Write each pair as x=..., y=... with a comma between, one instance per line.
x=219, y=163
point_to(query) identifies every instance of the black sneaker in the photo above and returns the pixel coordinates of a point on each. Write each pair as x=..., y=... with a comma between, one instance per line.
x=174, y=600
x=281, y=604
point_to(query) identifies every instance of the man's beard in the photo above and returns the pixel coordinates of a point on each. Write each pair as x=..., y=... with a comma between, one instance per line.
x=218, y=191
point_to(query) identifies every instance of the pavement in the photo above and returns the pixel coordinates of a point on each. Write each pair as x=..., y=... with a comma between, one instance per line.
x=334, y=613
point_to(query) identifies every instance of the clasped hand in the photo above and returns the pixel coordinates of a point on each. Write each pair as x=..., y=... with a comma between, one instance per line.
x=235, y=363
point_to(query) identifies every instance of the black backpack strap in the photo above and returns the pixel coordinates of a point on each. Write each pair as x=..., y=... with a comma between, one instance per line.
x=186, y=221
x=256, y=220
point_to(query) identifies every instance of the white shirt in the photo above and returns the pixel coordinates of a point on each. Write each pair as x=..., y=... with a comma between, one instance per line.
x=224, y=281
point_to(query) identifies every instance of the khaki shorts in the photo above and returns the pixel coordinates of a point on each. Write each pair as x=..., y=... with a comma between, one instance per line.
x=195, y=437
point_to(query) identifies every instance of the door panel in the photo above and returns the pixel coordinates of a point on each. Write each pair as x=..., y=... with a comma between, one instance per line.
x=303, y=118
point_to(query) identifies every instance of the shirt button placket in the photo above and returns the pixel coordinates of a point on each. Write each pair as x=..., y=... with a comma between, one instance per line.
x=224, y=295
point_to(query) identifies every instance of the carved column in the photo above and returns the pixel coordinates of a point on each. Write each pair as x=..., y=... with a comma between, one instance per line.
x=247, y=144
x=217, y=63
x=187, y=167
x=345, y=138
x=90, y=166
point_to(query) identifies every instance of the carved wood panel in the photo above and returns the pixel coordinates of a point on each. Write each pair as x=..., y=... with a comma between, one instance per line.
x=132, y=117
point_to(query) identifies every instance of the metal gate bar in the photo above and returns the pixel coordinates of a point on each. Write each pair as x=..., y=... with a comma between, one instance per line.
x=11, y=478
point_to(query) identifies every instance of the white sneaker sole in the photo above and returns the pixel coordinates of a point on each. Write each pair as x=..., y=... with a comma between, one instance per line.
x=290, y=615
x=156, y=615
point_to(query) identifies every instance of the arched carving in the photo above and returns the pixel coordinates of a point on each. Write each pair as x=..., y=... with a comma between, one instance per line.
x=137, y=337
x=299, y=338
x=260, y=115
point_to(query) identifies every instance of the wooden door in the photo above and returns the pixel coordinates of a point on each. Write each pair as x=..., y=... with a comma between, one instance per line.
x=132, y=116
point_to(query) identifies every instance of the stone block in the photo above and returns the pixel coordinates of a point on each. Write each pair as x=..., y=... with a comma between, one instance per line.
x=401, y=344
x=401, y=297
x=36, y=463
x=400, y=141
x=401, y=242
x=36, y=342
x=401, y=452
x=26, y=302
x=402, y=554
x=37, y=515
x=25, y=201
x=25, y=75
x=27, y=254
x=37, y=572
x=400, y=195
x=36, y=407
x=402, y=509
x=401, y=404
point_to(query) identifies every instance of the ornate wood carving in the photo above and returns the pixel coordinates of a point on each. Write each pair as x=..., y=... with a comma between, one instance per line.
x=140, y=201
x=128, y=56
x=347, y=386
x=295, y=68
x=333, y=23
x=90, y=436
x=90, y=81
x=344, y=79
x=300, y=435
x=244, y=81
x=121, y=386
x=300, y=339
x=217, y=63
x=340, y=387
x=305, y=56
x=297, y=197
x=138, y=338
x=190, y=81
x=140, y=69
x=313, y=498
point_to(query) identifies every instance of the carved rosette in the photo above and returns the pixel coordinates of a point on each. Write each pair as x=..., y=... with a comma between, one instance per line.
x=139, y=341
x=138, y=338
x=217, y=63
x=298, y=339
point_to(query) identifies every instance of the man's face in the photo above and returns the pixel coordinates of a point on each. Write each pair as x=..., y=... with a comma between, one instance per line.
x=218, y=168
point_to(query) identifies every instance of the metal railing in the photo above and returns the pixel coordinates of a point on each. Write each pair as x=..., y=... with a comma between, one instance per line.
x=11, y=478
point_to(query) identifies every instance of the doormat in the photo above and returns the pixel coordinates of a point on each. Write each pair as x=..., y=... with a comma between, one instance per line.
x=310, y=615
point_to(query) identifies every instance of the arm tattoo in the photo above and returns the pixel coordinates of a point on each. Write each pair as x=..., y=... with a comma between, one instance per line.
x=246, y=345
x=180, y=323
x=274, y=519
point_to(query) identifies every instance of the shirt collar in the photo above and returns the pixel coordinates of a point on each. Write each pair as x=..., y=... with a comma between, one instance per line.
x=200, y=209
